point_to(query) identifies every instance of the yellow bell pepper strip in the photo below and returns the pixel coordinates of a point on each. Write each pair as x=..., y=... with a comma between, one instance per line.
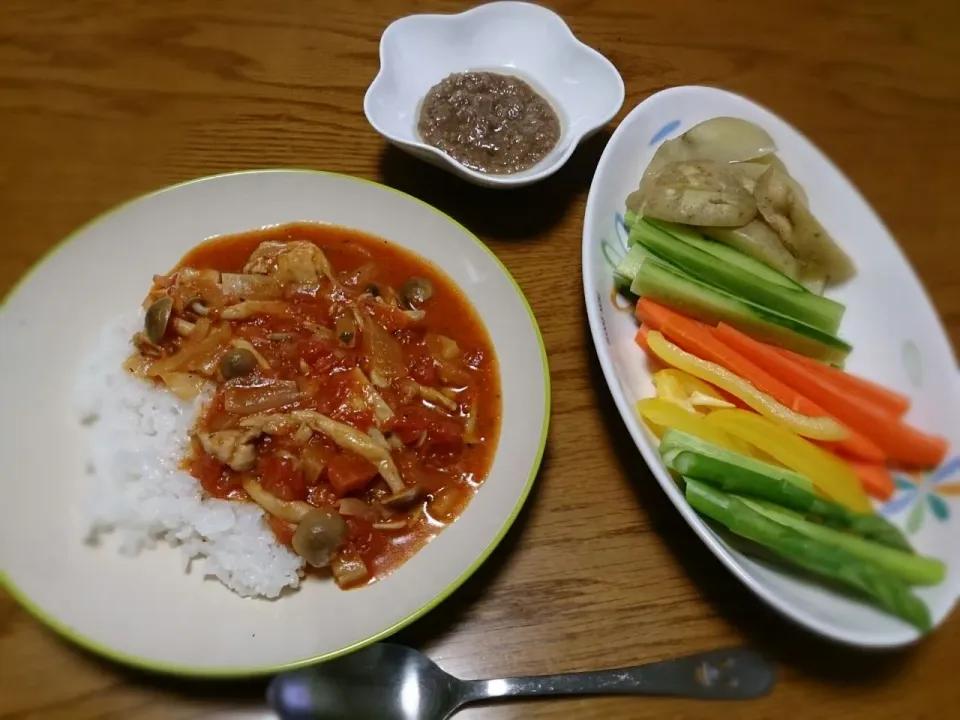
x=829, y=474
x=660, y=415
x=819, y=428
x=688, y=391
x=669, y=389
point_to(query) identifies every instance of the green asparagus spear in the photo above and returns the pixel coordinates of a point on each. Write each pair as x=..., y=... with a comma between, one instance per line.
x=912, y=569
x=866, y=578
x=692, y=457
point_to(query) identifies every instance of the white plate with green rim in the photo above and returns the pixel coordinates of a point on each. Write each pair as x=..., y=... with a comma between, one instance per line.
x=145, y=610
x=897, y=338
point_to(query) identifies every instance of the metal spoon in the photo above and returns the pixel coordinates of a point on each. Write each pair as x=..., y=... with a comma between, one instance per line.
x=392, y=682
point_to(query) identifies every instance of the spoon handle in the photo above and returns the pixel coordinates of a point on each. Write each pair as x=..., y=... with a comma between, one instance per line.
x=732, y=674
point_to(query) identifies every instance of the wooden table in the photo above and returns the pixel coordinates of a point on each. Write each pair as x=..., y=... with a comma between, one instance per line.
x=102, y=101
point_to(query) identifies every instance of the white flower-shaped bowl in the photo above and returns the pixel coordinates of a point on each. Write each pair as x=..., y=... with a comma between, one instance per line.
x=517, y=38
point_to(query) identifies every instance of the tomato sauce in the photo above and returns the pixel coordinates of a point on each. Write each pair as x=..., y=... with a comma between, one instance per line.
x=433, y=452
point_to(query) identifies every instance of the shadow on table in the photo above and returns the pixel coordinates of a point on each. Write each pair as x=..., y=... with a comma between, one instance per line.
x=506, y=214
x=761, y=626
x=249, y=694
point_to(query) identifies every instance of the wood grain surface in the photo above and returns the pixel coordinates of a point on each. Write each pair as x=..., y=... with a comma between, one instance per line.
x=102, y=100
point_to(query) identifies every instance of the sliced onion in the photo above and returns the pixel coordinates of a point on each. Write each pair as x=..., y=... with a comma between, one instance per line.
x=251, y=287
x=348, y=569
x=353, y=507
x=246, y=400
x=442, y=347
x=200, y=356
x=382, y=354
x=185, y=386
x=390, y=525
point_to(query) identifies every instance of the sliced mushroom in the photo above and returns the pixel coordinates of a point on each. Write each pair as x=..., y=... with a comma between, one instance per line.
x=237, y=362
x=157, y=318
x=416, y=291
x=404, y=498
x=197, y=306
x=262, y=362
x=145, y=346
x=320, y=533
x=352, y=440
x=293, y=511
x=251, y=308
x=182, y=327
x=271, y=423
x=434, y=396
x=390, y=525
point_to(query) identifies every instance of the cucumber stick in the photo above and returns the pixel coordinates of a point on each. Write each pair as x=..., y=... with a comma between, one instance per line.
x=629, y=266
x=725, y=253
x=818, y=312
x=696, y=299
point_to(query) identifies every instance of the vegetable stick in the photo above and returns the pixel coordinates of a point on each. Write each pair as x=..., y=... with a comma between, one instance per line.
x=693, y=457
x=641, y=340
x=902, y=443
x=856, y=386
x=700, y=339
x=875, y=478
x=814, y=555
x=820, y=428
x=833, y=477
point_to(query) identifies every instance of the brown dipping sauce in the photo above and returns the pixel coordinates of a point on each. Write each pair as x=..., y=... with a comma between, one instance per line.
x=489, y=122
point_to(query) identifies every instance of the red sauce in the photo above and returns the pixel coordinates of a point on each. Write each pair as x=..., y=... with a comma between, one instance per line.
x=438, y=459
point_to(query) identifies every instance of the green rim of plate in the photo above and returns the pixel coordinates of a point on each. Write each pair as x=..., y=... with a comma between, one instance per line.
x=212, y=673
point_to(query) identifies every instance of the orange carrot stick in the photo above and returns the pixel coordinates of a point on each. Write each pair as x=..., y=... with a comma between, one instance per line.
x=874, y=477
x=856, y=386
x=701, y=340
x=901, y=443
x=641, y=340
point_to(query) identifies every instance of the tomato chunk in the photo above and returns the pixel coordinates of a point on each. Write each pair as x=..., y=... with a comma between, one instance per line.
x=413, y=421
x=280, y=476
x=282, y=530
x=349, y=473
x=213, y=476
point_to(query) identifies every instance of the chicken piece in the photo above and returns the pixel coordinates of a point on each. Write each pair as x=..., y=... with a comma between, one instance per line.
x=298, y=262
x=231, y=447
x=264, y=258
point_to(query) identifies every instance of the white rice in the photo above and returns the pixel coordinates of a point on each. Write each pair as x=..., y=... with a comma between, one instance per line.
x=138, y=435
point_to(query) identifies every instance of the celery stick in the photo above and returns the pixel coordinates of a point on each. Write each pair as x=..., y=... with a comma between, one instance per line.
x=865, y=578
x=912, y=569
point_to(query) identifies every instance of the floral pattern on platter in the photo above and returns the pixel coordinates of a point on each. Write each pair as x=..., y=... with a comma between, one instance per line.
x=925, y=491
